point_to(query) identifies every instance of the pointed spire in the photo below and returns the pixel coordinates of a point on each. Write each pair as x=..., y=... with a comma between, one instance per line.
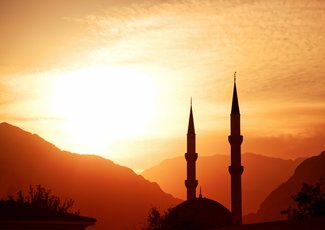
x=200, y=196
x=191, y=128
x=235, y=106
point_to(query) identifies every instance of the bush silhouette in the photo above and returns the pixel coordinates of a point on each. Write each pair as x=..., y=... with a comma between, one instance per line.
x=155, y=219
x=310, y=202
x=41, y=198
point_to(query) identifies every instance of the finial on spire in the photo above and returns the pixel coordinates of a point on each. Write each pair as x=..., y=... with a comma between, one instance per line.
x=191, y=101
x=200, y=196
x=235, y=106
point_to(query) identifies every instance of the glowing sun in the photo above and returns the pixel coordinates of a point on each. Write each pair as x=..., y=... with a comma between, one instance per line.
x=101, y=105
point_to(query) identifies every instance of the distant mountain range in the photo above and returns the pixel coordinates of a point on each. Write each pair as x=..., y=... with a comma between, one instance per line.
x=309, y=171
x=261, y=175
x=115, y=195
x=120, y=199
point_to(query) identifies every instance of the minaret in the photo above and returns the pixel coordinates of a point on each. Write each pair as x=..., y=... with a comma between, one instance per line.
x=191, y=156
x=235, y=169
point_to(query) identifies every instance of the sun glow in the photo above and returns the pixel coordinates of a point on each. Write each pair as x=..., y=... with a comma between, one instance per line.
x=101, y=105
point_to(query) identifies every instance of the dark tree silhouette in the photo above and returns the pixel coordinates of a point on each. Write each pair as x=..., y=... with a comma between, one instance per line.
x=155, y=219
x=310, y=201
x=40, y=197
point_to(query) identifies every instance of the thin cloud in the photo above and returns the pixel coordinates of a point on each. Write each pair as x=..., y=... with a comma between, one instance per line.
x=192, y=48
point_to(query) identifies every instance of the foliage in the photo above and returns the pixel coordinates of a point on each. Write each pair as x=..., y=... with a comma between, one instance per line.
x=155, y=219
x=310, y=202
x=40, y=197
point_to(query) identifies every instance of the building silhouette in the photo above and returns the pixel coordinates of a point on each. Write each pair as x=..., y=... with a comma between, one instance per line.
x=195, y=213
x=18, y=216
x=205, y=214
x=191, y=157
x=235, y=169
x=201, y=212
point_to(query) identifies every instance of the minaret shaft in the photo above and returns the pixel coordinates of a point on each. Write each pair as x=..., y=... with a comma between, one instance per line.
x=235, y=168
x=191, y=145
x=191, y=157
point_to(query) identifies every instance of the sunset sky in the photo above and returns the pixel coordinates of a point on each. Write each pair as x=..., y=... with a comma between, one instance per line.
x=115, y=78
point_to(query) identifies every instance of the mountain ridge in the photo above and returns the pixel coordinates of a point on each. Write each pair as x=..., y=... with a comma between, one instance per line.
x=214, y=178
x=111, y=193
x=309, y=171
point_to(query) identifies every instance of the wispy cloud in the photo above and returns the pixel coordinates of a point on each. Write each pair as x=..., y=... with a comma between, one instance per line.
x=191, y=48
x=276, y=47
x=273, y=44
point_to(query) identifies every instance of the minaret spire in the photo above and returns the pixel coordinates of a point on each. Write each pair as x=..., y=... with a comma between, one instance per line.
x=235, y=169
x=191, y=129
x=235, y=106
x=191, y=157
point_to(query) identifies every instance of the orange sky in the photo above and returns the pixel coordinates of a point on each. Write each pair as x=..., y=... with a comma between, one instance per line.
x=115, y=78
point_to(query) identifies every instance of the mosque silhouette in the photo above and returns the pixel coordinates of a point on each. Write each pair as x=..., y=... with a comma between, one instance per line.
x=204, y=213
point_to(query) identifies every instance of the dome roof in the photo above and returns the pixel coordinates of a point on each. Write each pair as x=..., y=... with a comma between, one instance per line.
x=197, y=213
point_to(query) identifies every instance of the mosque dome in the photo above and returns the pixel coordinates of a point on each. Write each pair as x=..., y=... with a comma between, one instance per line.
x=197, y=214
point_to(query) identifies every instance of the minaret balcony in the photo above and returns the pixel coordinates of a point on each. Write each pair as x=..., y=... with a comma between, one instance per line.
x=191, y=156
x=236, y=170
x=235, y=139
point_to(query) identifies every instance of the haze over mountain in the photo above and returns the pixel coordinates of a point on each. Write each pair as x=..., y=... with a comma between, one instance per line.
x=150, y=57
x=261, y=175
x=113, y=194
x=309, y=171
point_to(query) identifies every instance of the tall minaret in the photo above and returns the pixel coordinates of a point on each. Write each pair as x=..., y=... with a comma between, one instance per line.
x=191, y=157
x=235, y=169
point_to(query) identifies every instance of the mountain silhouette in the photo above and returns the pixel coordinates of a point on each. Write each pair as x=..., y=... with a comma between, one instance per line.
x=309, y=171
x=262, y=174
x=114, y=195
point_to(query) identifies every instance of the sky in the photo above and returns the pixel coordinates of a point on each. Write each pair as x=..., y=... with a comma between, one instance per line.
x=115, y=78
